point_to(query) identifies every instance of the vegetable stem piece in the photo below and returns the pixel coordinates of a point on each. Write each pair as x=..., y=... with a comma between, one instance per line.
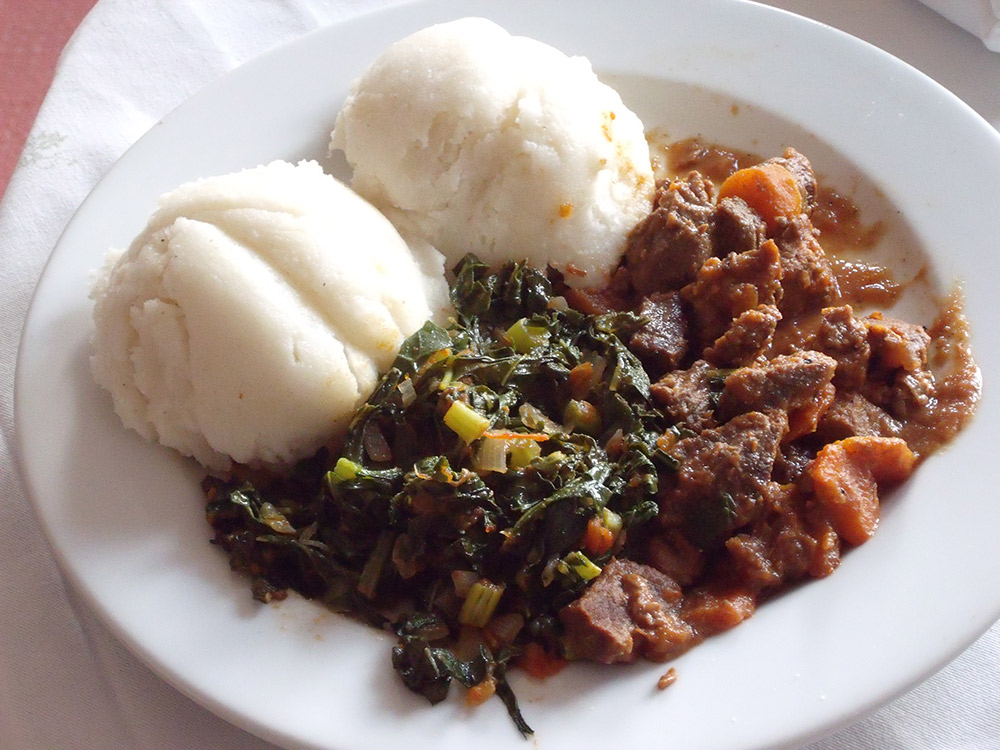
x=479, y=605
x=465, y=421
x=524, y=336
x=523, y=452
x=580, y=564
x=345, y=469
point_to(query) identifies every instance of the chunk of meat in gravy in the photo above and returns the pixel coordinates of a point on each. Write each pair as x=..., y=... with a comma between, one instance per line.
x=712, y=160
x=845, y=338
x=737, y=227
x=906, y=396
x=790, y=382
x=688, y=396
x=792, y=540
x=671, y=553
x=668, y=247
x=793, y=460
x=747, y=338
x=882, y=358
x=631, y=610
x=715, y=608
x=959, y=381
x=661, y=343
x=720, y=476
x=853, y=414
x=802, y=171
x=808, y=282
x=726, y=287
x=897, y=344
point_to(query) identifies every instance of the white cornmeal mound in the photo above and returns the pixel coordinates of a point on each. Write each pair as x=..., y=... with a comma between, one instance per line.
x=476, y=140
x=255, y=312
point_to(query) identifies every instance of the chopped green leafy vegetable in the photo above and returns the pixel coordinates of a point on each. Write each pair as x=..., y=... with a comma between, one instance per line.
x=478, y=452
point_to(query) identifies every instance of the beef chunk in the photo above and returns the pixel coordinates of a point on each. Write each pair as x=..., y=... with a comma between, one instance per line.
x=662, y=342
x=807, y=281
x=721, y=474
x=898, y=378
x=737, y=228
x=688, y=396
x=631, y=610
x=792, y=461
x=845, y=338
x=853, y=414
x=910, y=394
x=803, y=173
x=726, y=287
x=747, y=338
x=896, y=344
x=668, y=247
x=613, y=298
x=671, y=553
x=789, y=382
x=792, y=540
x=883, y=358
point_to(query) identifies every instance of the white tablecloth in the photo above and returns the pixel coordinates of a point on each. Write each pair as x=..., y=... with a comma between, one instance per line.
x=65, y=682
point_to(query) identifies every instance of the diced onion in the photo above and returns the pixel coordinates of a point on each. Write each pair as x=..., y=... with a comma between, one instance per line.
x=534, y=419
x=275, y=519
x=463, y=580
x=492, y=455
x=558, y=303
x=407, y=393
x=523, y=452
x=600, y=365
x=505, y=628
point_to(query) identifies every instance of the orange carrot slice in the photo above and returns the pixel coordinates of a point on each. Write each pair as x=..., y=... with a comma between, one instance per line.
x=846, y=475
x=769, y=189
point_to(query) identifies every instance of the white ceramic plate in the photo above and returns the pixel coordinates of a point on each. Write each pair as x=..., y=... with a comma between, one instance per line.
x=125, y=517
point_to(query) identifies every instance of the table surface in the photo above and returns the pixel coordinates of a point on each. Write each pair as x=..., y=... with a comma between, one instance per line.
x=143, y=711
x=32, y=35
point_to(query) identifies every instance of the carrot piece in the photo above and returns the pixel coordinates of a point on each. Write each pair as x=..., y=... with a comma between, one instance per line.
x=582, y=379
x=804, y=419
x=481, y=692
x=598, y=538
x=846, y=475
x=769, y=189
x=538, y=437
x=538, y=662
